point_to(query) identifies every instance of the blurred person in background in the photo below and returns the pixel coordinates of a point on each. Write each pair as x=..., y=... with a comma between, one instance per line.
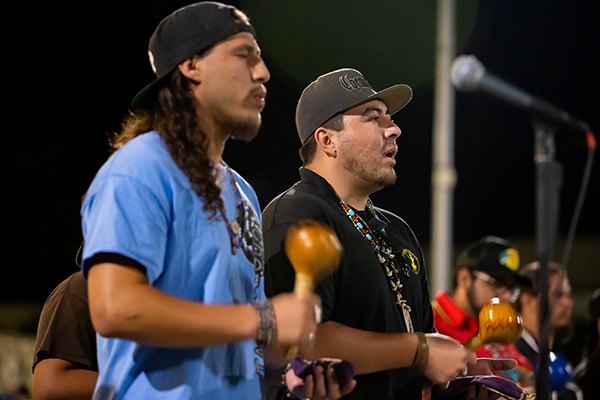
x=561, y=310
x=588, y=371
x=485, y=269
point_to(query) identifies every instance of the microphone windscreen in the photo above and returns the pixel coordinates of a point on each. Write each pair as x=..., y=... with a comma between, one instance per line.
x=467, y=72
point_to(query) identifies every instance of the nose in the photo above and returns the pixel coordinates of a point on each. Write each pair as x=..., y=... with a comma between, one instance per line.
x=568, y=301
x=392, y=131
x=260, y=72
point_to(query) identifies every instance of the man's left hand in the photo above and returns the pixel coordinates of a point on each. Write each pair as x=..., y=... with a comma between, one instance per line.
x=320, y=386
x=487, y=366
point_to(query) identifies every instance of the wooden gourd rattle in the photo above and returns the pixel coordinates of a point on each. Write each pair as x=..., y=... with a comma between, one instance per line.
x=314, y=251
x=499, y=323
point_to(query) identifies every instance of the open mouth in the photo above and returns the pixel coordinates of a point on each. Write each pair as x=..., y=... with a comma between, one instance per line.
x=391, y=153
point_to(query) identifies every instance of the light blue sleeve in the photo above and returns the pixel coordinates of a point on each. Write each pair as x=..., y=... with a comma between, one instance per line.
x=124, y=216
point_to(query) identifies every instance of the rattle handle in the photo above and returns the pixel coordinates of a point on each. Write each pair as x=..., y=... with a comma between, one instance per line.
x=303, y=288
x=474, y=343
x=304, y=285
x=291, y=352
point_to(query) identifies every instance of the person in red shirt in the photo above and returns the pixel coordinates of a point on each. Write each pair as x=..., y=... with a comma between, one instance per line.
x=485, y=269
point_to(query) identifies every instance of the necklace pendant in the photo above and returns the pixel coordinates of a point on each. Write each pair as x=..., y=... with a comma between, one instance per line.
x=235, y=227
x=233, y=248
x=407, y=318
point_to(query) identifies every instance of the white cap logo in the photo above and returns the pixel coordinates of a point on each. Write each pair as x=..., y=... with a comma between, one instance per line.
x=351, y=83
x=151, y=57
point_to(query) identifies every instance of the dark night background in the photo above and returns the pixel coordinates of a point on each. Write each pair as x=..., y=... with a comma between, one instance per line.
x=76, y=68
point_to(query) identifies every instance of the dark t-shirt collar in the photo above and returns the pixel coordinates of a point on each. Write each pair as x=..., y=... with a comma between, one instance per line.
x=327, y=192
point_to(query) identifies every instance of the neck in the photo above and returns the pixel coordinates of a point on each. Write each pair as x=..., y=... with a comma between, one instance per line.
x=531, y=324
x=215, y=151
x=345, y=184
x=215, y=137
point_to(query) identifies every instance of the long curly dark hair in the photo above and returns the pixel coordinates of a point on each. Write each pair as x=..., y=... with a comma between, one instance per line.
x=174, y=117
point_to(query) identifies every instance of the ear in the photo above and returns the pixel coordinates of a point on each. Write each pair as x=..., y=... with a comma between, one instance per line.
x=191, y=69
x=464, y=279
x=326, y=140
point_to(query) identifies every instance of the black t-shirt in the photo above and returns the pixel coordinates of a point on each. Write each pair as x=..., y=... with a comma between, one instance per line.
x=65, y=329
x=358, y=293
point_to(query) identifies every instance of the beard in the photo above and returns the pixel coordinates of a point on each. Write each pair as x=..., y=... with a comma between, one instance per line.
x=244, y=129
x=472, y=301
x=359, y=168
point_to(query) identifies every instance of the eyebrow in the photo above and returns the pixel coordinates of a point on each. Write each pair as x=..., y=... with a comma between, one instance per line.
x=250, y=48
x=378, y=110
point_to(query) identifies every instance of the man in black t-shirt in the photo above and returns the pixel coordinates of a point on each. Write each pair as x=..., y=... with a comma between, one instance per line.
x=65, y=365
x=376, y=305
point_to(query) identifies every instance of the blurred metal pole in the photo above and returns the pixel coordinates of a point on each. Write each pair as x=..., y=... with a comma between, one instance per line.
x=443, y=172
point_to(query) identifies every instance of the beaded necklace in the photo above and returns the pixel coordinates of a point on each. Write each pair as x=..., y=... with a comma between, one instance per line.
x=234, y=227
x=385, y=254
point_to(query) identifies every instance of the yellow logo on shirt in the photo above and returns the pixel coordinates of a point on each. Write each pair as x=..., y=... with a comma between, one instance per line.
x=411, y=260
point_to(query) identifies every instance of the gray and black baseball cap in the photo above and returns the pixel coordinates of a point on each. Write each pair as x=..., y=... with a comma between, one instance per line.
x=183, y=34
x=339, y=91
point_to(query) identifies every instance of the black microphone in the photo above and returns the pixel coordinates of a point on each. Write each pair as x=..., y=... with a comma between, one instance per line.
x=469, y=75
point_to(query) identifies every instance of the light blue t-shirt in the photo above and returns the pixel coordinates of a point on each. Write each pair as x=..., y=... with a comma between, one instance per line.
x=141, y=205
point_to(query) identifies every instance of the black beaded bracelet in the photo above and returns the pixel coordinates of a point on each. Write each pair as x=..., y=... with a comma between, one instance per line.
x=267, y=326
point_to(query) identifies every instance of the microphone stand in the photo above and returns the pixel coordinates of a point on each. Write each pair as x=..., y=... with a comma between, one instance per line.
x=549, y=181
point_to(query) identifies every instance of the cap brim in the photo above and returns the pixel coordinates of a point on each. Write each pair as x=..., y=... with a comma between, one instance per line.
x=395, y=98
x=519, y=279
x=146, y=97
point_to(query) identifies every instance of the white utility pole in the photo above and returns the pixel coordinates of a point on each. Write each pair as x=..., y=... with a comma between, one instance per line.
x=443, y=172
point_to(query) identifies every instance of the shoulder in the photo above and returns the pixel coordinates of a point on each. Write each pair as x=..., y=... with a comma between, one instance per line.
x=398, y=225
x=394, y=219
x=301, y=201
x=145, y=159
x=75, y=285
x=144, y=149
x=142, y=170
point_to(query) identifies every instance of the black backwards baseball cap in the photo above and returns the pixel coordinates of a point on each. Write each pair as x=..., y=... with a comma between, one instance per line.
x=495, y=256
x=186, y=32
x=339, y=91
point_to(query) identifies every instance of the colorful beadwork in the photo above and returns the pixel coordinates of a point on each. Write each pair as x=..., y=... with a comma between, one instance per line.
x=235, y=227
x=384, y=253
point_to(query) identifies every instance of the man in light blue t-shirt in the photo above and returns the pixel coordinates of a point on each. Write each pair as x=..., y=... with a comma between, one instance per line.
x=173, y=243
